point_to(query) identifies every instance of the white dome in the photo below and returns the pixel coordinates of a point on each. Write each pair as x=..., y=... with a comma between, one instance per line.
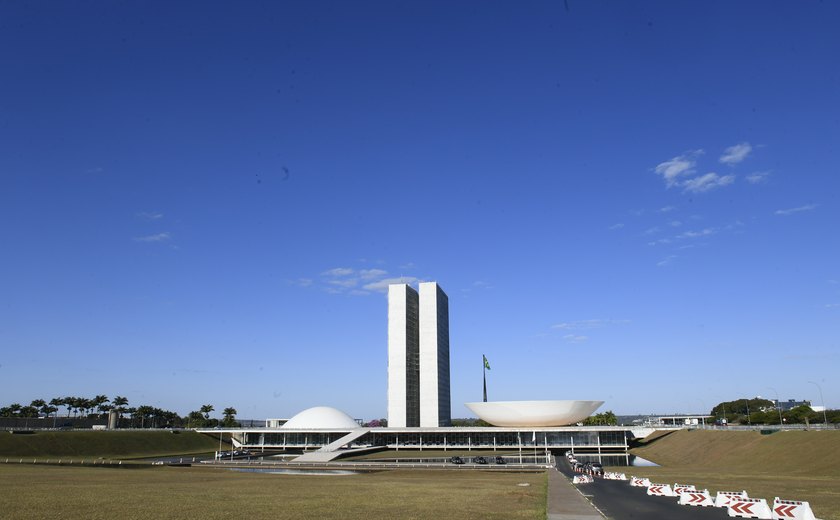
x=321, y=418
x=534, y=413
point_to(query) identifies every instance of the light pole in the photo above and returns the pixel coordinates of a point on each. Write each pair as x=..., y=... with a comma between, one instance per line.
x=825, y=420
x=778, y=406
x=747, y=401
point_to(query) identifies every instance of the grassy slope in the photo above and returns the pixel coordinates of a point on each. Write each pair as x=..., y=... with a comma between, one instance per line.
x=106, y=444
x=799, y=465
x=207, y=493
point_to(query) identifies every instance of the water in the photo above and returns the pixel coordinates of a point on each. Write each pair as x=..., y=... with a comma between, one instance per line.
x=616, y=460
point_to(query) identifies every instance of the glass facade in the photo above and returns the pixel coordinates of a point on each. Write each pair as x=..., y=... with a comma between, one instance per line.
x=444, y=438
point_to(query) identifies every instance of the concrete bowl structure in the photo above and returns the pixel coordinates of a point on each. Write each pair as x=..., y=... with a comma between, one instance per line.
x=534, y=413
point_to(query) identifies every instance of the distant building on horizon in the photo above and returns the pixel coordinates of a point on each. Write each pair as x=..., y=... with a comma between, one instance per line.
x=418, y=356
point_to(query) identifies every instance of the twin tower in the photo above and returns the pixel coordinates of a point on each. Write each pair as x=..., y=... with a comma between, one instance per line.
x=418, y=356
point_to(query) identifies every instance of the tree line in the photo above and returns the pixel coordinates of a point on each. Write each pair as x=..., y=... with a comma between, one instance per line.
x=764, y=411
x=100, y=406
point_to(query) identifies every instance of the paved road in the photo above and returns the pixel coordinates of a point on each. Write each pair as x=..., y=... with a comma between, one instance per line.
x=618, y=500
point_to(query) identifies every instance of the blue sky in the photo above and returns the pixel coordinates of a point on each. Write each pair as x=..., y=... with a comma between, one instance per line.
x=629, y=202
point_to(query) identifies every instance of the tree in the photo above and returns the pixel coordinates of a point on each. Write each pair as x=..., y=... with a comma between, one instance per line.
x=206, y=409
x=229, y=414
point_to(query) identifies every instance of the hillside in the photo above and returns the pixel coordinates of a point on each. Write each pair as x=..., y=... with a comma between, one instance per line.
x=784, y=452
x=106, y=444
x=794, y=465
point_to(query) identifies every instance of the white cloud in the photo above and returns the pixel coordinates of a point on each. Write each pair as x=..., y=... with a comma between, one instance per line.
x=347, y=283
x=150, y=215
x=757, y=177
x=370, y=274
x=588, y=324
x=832, y=305
x=338, y=271
x=660, y=241
x=707, y=182
x=616, y=226
x=303, y=282
x=575, y=338
x=681, y=165
x=791, y=211
x=666, y=209
x=651, y=231
x=382, y=285
x=675, y=223
x=160, y=237
x=695, y=234
x=668, y=260
x=736, y=154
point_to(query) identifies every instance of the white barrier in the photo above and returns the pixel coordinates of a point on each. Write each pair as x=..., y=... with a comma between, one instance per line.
x=697, y=498
x=582, y=479
x=611, y=475
x=639, y=482
x=786, y=509
x=682, y=488
x=661, y=490
x=749, y=508
x=723, y=498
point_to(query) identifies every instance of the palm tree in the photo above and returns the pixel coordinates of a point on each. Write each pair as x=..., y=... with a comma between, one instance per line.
x=230, y=416
x=206, y=409
x=56, y=402
x=120, y=403
x=39, y=404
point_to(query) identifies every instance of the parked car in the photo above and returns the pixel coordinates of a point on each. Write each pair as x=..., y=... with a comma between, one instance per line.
x=500, y=460
x=456, y=460
x=480, y=460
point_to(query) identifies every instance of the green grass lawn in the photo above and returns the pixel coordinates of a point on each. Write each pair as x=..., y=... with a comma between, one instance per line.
x=31, y=491
x=106, y=444
x=793, y=465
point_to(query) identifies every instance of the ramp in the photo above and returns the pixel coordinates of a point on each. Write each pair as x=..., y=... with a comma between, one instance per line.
x=332, y=450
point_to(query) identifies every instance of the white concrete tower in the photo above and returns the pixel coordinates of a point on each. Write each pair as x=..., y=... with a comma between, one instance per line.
x=435, y=406
x=403, y=357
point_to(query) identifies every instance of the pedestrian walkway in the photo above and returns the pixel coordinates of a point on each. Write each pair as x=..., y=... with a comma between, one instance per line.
x=565, y=502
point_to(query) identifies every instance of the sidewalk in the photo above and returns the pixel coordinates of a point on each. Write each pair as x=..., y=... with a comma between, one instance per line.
x=565, y=502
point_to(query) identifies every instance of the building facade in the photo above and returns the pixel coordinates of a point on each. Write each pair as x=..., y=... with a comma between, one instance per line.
x=434, y=356
x=418, y=356
x=403, y=357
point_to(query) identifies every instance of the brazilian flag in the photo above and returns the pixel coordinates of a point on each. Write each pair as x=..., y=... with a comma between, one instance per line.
x=486, y=363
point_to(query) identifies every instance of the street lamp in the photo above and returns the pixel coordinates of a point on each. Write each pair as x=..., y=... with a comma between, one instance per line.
x=747, y=402
x=825, y=420
x=778, y=406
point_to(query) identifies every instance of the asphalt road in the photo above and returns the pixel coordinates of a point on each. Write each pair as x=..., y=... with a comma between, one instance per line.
x=618, y=500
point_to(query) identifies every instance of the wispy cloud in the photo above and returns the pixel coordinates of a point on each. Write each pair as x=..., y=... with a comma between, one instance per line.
x=675, y=223
x=347, y=280
x=736, y=154
x=371, y=274
x=832, y=305
x=707, y=182
x=652, y=231
x=575, y=338
x=666, y=209
x=696, y=234
x=757, y=177
x=159, y=237
x=668, y=260
x=382, y=285
x=588, y=324
x=149, y=215
x=679, y=166
x=791, y=211
x=338, y=271
x=616, y=226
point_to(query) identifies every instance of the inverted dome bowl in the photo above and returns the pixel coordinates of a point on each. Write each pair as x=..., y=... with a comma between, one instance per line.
x=534, y=413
